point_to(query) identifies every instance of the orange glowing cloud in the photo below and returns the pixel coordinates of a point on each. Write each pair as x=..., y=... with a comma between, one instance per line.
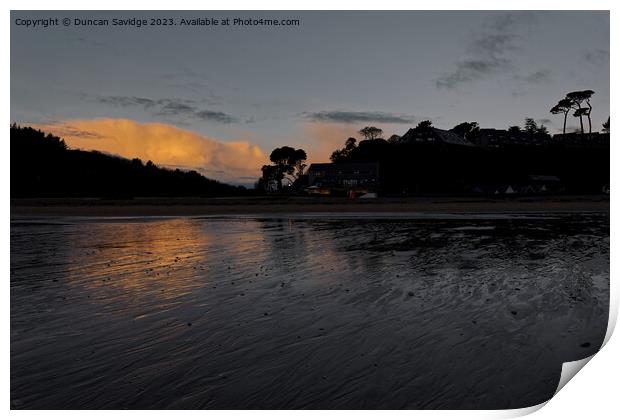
x=165, y=145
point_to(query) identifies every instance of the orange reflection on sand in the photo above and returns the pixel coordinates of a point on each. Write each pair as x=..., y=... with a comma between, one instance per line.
x=166, y=258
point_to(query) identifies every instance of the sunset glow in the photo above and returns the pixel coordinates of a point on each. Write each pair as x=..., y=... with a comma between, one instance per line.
x=236, y=161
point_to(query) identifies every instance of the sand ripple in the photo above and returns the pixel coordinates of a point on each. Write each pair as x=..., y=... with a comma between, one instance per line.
x=303, y=312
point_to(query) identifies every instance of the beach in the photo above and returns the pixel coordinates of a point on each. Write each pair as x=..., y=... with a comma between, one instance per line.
x=303, y=310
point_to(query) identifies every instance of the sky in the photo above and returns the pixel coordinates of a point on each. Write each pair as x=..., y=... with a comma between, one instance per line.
x=219, y=99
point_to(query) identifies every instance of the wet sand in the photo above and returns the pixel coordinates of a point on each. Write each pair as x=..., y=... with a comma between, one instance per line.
x=270, y=205
x=321, y=311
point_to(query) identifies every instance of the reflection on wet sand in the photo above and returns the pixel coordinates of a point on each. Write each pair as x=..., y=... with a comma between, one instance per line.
x=297, y=312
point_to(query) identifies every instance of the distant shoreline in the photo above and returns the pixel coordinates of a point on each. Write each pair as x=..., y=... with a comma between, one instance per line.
x=188, y=206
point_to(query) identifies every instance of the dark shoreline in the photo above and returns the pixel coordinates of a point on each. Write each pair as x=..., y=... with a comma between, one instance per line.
x=190, y=206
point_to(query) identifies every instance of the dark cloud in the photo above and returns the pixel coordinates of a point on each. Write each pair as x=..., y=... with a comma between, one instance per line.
x=80, y=133
x=471, y=70
x=126, y=101
x=177, y=108
x=66, y=130
x=487, y=51
x=536, y=77
x=215, y=116
x=355, y=117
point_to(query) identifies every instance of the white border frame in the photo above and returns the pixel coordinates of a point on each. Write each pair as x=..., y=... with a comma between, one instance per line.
x=592, y=394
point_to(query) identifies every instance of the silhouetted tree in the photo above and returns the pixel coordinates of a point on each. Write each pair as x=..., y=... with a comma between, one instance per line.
x=424, y=125
x=580, y=113
x=394, y=138
x=514, y=129
x=270, y=173
x=606, y=126
x=562, y=107
x=587, y=95
x=468, y=130
x=530, y=126
x=371, y=133
x=342, y=154
x=288, y=163
x=429, y=167
x=350, y=144
x=577, y=98
x=337, y=156
x=43, y=166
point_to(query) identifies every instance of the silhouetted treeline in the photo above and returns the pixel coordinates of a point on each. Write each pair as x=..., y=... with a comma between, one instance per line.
x=43, y=166
x=436, y=167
